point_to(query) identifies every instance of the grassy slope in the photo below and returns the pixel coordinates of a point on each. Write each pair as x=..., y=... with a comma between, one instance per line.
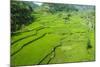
x=73, y=47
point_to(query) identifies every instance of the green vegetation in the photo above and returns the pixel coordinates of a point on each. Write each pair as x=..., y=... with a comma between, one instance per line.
x=59, y=33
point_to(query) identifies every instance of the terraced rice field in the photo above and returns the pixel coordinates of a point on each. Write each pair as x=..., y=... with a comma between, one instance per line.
x=51, y=39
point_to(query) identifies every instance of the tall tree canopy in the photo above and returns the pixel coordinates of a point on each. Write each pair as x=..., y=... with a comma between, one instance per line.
x=21, y=14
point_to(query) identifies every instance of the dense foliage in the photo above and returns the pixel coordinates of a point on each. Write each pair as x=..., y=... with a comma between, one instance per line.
x=21, y=14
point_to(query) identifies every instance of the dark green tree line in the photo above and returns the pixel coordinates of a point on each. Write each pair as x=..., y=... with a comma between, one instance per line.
x=54, y=7
x=21, y=14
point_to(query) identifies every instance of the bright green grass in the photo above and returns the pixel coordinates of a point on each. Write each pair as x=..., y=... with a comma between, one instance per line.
x=72, y=49
x=44, y=45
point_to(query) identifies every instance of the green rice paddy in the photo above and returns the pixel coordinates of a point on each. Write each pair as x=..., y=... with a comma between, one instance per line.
x=50, y=40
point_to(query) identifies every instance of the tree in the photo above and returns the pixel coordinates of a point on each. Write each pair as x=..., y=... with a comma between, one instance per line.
x=53, y=8
x=21, y=14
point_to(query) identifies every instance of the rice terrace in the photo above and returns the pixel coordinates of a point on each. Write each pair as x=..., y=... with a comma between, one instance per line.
x=51, y=33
